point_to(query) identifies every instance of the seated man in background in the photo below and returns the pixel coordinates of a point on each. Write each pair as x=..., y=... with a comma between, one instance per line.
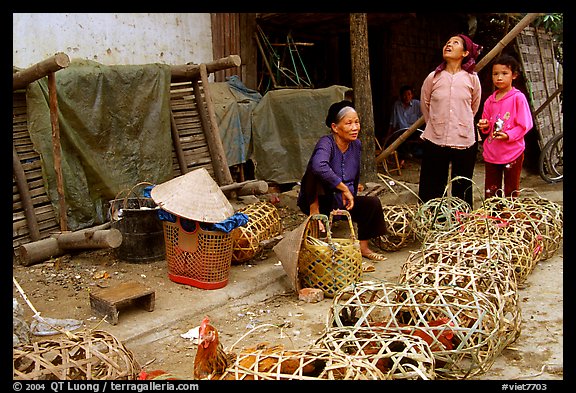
x=405, y=112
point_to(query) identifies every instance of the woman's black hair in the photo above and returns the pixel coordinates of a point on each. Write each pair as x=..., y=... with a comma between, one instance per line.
x=334, y=109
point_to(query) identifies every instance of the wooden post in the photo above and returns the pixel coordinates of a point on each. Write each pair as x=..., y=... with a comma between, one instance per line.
x=23, y=78
x=215, y=145
x=177, y=144
x=485, y=60
x=57, y=149
x=363, y=93
x=189, y=72
x=25, y=198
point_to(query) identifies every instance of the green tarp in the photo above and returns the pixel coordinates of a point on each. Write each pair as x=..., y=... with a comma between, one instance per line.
x=114, y=124
x=286, y=125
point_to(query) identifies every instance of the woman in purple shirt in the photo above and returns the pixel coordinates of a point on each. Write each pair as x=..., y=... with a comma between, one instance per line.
x=450, y=98
x=332, y=177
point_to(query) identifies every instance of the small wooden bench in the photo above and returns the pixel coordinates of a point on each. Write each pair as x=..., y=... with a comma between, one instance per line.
x=106, y=302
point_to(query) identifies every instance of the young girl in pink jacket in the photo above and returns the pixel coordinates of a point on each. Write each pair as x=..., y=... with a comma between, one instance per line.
x=506, y=119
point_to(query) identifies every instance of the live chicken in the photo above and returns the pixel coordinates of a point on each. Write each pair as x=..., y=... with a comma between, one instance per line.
x=212, y=361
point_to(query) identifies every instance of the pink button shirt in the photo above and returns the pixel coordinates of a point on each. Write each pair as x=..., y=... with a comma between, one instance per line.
x=449, y=103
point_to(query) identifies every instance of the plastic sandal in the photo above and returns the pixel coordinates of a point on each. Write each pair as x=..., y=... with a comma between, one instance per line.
x=375, y=257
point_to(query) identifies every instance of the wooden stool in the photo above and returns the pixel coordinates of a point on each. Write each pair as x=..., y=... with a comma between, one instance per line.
x=105, y=302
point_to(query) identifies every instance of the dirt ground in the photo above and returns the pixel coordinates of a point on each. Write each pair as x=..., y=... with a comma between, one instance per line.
x=60, y=288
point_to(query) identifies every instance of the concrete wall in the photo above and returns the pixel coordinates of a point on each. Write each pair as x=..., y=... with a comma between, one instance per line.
x=112, y=39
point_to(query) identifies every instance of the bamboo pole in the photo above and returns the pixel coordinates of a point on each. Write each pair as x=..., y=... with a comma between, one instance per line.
x=25, y=198
x=216, y=147
x=177, y=144
x=485, y=60
x=57, y=149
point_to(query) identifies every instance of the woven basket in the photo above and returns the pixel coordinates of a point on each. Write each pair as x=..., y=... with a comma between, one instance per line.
x=460, y=325
x=329, y=264
x=264, y=223
x=86, y=355
x=397, y=356
x=276, y=363
x=199, y=258
x=399, y=231
x=437, y=215
x=510, y=236
x=473, y=265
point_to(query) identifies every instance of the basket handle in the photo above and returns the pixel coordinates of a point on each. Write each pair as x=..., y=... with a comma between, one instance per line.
x=312, y=228
x=340, y=212
x=128, y=191
x=132, y=191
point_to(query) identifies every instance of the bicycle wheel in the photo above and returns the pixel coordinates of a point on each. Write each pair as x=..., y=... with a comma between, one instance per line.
x=551, y=162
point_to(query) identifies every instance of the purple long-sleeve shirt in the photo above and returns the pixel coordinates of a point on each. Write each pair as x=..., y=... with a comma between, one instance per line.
x=329, y=166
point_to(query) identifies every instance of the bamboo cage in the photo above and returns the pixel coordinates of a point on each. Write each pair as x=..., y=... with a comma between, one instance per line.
x=276, y=363
x=263, y=223
x=438, y=215
x=510, y=237
x=86, y=355
x=473, y=265
x=460, y=325
x=398, y=356
x=399, y=228
x=541, y=216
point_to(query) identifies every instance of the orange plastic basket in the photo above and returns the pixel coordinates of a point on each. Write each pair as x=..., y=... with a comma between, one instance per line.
x=199, y=258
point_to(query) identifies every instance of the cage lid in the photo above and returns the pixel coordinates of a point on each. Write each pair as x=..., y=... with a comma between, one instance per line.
x=195, y=196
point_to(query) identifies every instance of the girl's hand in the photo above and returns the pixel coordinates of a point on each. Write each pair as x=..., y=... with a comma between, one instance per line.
x=501, y=136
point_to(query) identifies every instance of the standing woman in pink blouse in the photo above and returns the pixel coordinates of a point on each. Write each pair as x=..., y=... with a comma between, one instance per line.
x=450, y=98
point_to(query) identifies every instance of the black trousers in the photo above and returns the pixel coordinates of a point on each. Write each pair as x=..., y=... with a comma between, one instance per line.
x=434, y=171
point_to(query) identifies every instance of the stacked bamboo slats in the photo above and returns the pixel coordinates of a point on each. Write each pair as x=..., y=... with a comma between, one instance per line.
x=31, y=164
x=189, y=129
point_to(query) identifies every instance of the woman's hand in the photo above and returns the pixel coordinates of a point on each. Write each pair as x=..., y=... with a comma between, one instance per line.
x=348, y=199
x=483, y=125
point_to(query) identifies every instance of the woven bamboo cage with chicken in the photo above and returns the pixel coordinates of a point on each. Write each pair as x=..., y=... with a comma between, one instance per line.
x=398, y=356
x=510, y=236
x=271, y=363
x=472, y=265
x=540, y=215
x=460, y=325
x=84, y=355
x=263, y=223
x=437, y=215
x=328, y=263
x=399, y=229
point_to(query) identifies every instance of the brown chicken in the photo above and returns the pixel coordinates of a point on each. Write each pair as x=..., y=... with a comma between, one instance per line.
x=212, y=361
x=444, y=337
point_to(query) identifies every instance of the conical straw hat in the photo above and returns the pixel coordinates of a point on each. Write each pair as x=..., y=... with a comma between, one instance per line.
x=195, y=196
x=288, y=251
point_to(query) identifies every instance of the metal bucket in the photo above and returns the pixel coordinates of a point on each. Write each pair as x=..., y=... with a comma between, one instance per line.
x=141, y=229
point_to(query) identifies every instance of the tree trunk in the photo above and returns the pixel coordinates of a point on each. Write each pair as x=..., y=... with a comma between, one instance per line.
x=58, y=244
x=363, y=93
x=103, y=238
